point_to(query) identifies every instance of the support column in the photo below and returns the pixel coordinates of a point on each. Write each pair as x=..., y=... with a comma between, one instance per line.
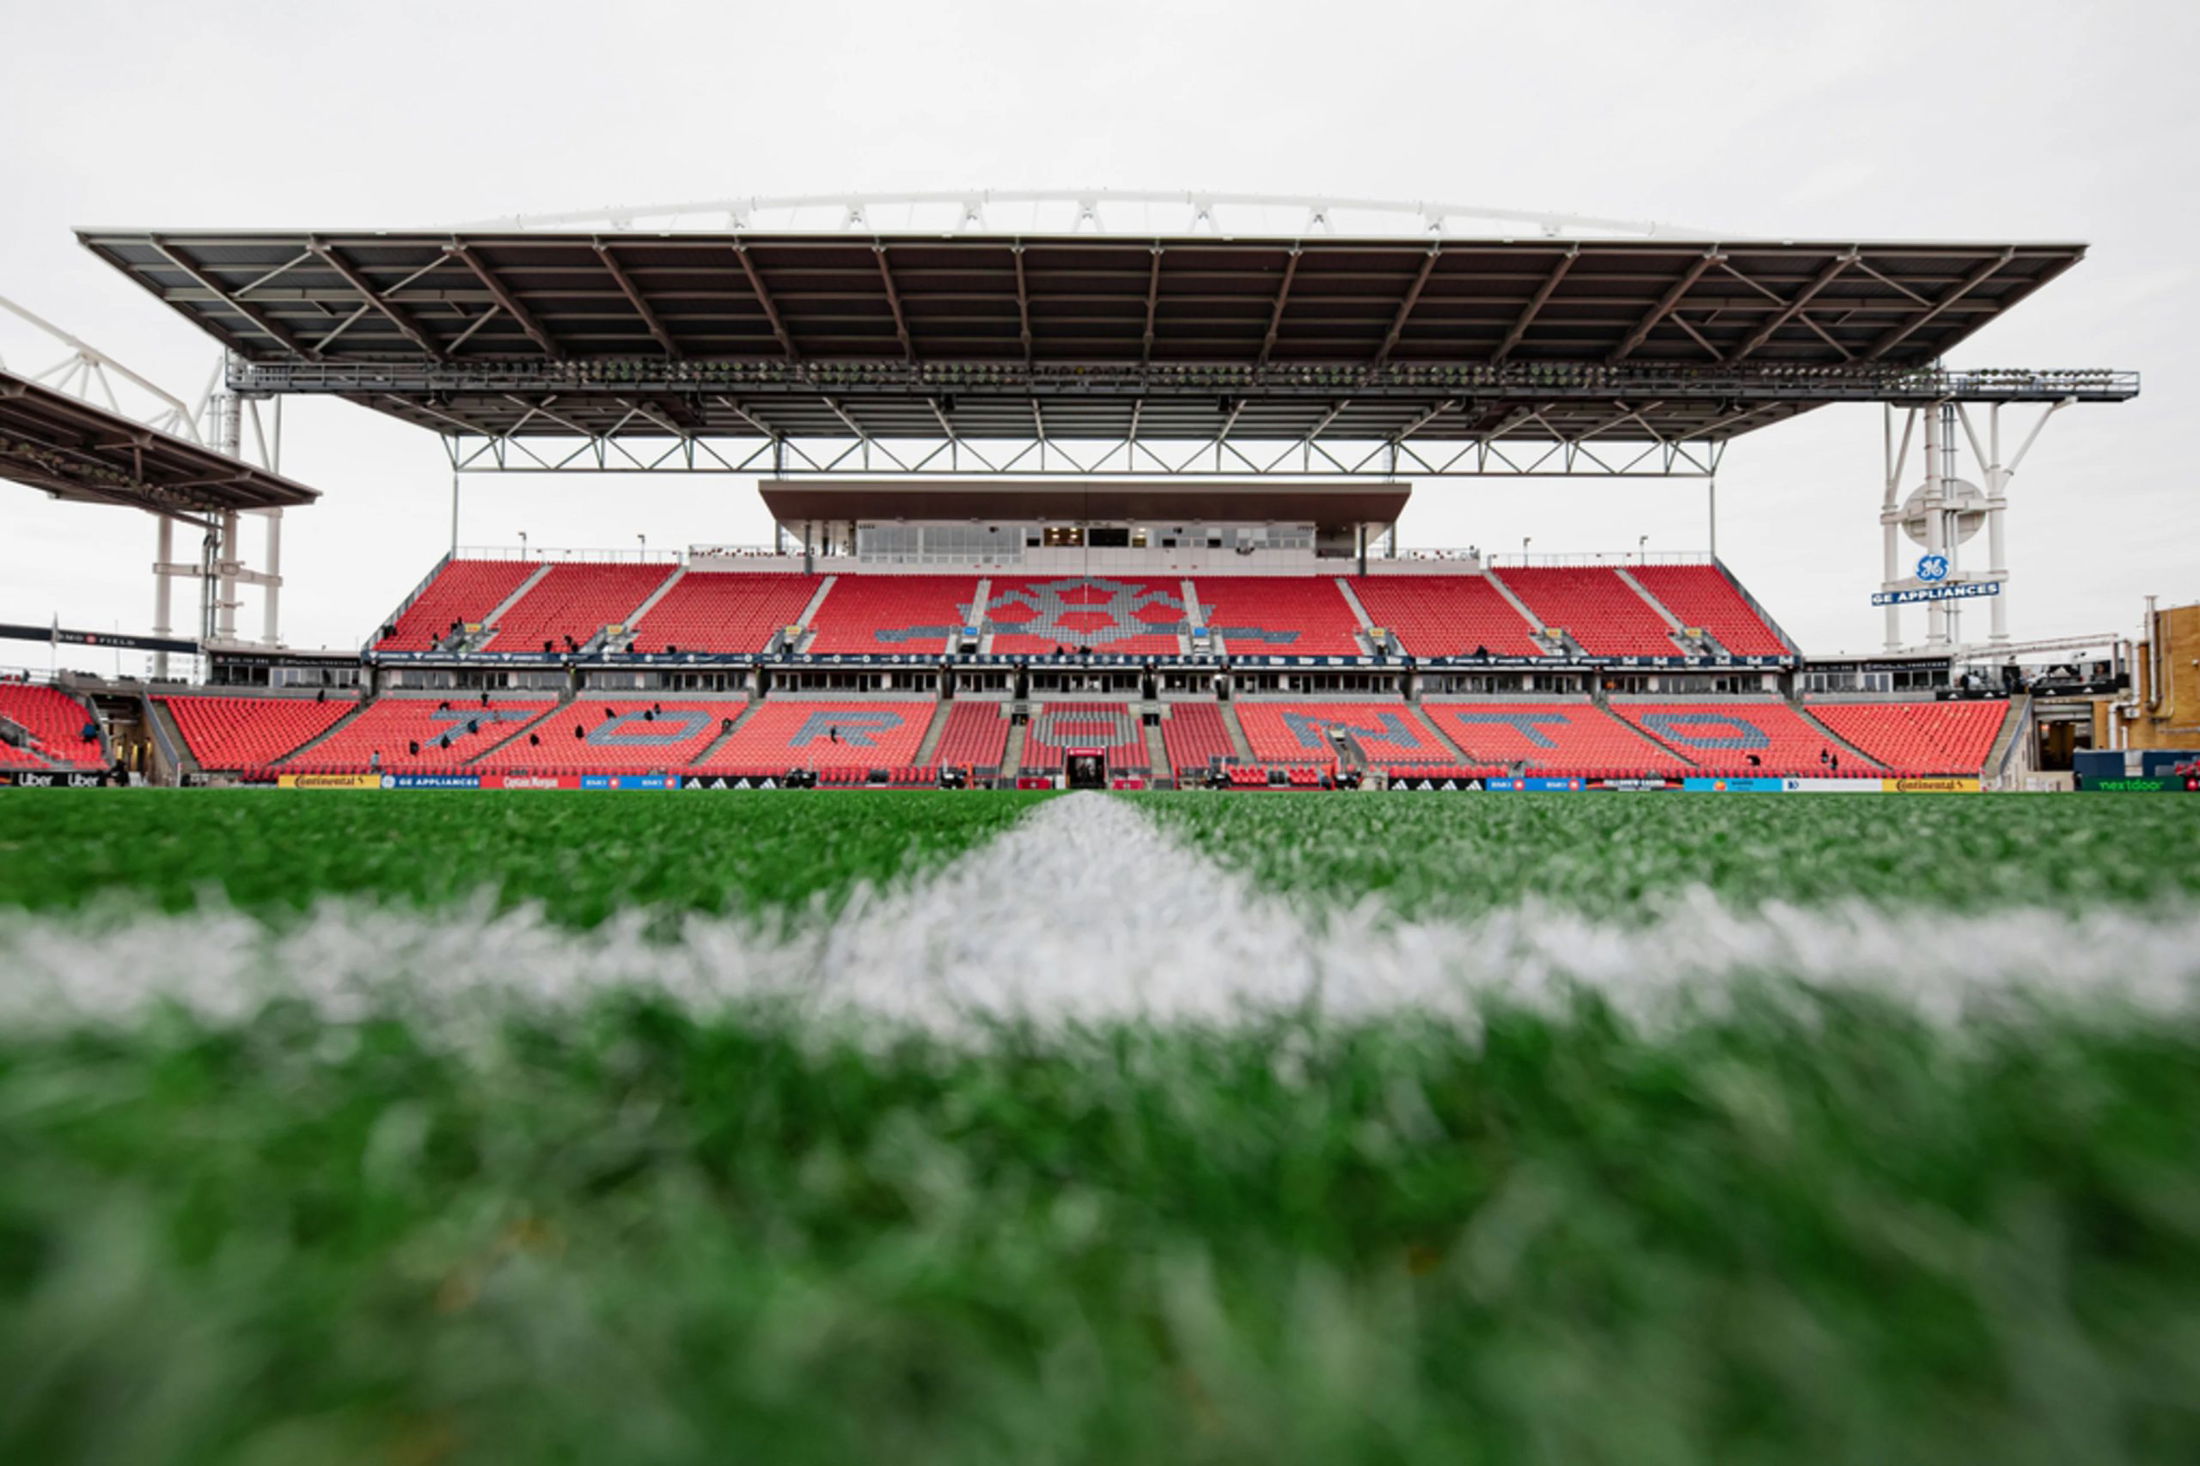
x=271, y=623
x=225, y=608
x=1997, y=503
x=1711, y=502
x=1890, y=519
x=164, y=590
x=1936, y=616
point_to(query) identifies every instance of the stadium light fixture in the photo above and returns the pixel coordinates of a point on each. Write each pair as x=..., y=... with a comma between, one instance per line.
x=523, y=544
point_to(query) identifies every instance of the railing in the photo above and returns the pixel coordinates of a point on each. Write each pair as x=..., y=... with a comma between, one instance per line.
x=561, y=557
x=1592, y=558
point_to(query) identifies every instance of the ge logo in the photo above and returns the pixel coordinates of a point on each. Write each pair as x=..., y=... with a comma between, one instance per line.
x=1932, y=567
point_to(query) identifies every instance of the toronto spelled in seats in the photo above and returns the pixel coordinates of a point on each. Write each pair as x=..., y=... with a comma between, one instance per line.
x=724, y=611
x=55, y=722
x=1388, y=734
x=1058, y=727
x=1722, y=737
x=976, y=736
x=1446, y=615
x=462, y=591
x=444, y=735
x=1602, y=611
x=1279, y=615
x=778, y=736
x=1572, y=737
x=1194, y=735
x=892, y=614
x=1133, y=618
x=1919, y=737
x=1702, y=596
x=617, y=735
x=575, y=601
x=251, y=732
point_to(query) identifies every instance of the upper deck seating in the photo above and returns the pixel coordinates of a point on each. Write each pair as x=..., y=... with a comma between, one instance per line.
x=618, y=735
x=1701, y=596
x=1194, y=735
x=724, y=611
x=1058, y=727
x=1035, y=615
x=976, y=735
x=1600, y=610
x=778, y=736
x=902, y=614
x=1279, y=615
x=1919, y=737
x=462, y=591
x=1721, y=737
x=1446, y=615
x=251, y=732
x=447, y=736
x=575, y=601
x=55, y=722
x=1571, y=737
x=1387, y=733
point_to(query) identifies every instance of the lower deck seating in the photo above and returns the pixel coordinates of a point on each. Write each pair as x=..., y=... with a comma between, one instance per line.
x=1919, y=738
x=1194, y=736
x=1446, y=615
x=892, y=614
x=1133, y=618
x=1571, y=737
x=1058, y=727
x=1386, y=733
x=1722, y=737
x=55, y=722
x=724, y=611
x=618, y=735
x=1279, y=615
x=976, y=736
x=777, y=736
x=446, y=734
x=251, y=732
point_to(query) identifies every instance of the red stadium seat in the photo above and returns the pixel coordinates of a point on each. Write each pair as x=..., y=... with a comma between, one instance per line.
x=1279, y=615
x=1032, y=616
x=777, y=736
x=976, y=736
x=1601, y=611
x=577, y=601
x=1569, y=737
x=724, y=611
x=1720, y=737
x=55, y=722
x=1919, y=738
x=894, y=614
x=251, y=732
x=1195, y=735
x=620, y=735
x=389, y=725
x=1701, y=596
x=1299, y=732
x=1446, y=615
x=464, y=591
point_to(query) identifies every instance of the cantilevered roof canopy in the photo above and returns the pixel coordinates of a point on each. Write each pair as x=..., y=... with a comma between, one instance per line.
x=1014, y=501
x=979, y=336
x=74, y=450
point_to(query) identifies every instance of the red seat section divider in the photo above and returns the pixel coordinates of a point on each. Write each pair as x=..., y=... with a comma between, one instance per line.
x=462, y=591
x=1388, y=733
x=1602, y=611
x=1701, y=596
x=1279, y=615
x=251, y=732
x=895, y=614
x=1031, y=616
x=1446, y=615
x=724, y=611
x=1571, y=737
x=1058, y=727
x=1919, y=737
x=778, y=736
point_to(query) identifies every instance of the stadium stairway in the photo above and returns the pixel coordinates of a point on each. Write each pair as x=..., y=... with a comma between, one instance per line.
x=1157, y=752
x=323, y=736
x=1240, y=746
x=725, y=736
x=664, y=588
x=1673, y=623
x=1447, y=742
x=519, y=593
x=1847, y=749
x=1012, y=757
x=559, y=706
x=2014, y=725
x=928, y=747
x=172, y=756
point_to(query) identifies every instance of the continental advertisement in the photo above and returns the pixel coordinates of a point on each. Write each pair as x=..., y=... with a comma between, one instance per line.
x=328, y=781
x=1950, y=785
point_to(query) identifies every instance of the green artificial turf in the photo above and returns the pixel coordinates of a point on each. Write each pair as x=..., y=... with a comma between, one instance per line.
x=1801, y=1226
x=582, y=856
x=1619, y=855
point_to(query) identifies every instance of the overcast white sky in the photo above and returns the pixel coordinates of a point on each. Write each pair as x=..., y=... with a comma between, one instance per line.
x=1853, y=120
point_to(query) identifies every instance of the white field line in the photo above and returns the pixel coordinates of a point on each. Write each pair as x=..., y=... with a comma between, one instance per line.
x=1084, y=911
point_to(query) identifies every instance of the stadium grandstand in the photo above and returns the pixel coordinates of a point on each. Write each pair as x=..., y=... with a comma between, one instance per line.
x=1098, y=507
